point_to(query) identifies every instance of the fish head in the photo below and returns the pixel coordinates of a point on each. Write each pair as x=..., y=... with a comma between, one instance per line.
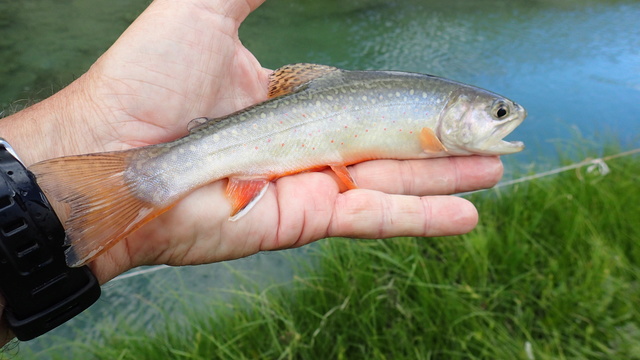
x=476, y=121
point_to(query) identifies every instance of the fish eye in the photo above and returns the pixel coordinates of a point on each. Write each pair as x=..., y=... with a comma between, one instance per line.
x=500, y=110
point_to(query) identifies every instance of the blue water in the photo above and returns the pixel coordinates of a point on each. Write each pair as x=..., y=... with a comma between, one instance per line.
x=575, y=66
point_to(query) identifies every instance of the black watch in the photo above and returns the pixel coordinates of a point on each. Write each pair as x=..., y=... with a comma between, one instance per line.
x=40, y=290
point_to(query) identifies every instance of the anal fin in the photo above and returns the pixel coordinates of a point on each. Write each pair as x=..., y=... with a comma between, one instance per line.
x=244, y=194
x=345, y=176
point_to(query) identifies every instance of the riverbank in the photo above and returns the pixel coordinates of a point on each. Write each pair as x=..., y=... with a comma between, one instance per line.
x=551, y=272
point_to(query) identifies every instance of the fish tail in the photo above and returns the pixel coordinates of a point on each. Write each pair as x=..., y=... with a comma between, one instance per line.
x=104, y=207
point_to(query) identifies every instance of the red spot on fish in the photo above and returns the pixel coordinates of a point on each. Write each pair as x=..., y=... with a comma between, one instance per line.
x=341, y=143
x=256, y=148
x=313, y=148
x=346, y=127
x=280, y=121
x=332, y=141
x=302, y=145
x=268, y=140
x=304, y=115
x=411, y=132
x=355, y=135
x=399, y=129
x=366, y=130
x=282, y=144
x=385, y=129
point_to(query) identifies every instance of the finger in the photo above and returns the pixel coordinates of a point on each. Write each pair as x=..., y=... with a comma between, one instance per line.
x=438, y=176
x=372, y=214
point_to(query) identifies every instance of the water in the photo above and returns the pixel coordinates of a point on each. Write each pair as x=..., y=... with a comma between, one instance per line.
x=575, y=66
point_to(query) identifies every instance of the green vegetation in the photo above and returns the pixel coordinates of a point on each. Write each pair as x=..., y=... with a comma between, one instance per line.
x=551, y=272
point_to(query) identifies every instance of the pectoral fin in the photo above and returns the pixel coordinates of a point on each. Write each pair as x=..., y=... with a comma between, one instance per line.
x=345, y=176
x=430, y=142
x=244, y=194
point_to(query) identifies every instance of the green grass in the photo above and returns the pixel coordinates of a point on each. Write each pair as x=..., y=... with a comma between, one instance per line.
x=553, y=265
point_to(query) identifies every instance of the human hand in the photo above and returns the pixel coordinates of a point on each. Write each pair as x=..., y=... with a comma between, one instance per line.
x=180, y=61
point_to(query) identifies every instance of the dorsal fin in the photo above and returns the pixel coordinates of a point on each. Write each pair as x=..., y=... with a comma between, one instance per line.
x=289, y=78
x=285, y=80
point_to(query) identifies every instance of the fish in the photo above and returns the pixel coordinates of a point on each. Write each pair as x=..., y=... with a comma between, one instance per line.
x=315, y=117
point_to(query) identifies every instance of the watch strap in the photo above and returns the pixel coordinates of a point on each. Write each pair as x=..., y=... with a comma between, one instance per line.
x=41, y=292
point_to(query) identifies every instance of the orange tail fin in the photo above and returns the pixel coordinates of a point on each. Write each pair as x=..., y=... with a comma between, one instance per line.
x=104, y=209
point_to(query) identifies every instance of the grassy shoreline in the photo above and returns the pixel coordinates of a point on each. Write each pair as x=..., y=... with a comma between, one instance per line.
x=551, y=272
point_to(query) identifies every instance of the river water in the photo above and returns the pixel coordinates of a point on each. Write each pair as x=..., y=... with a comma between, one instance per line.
x=575, y=66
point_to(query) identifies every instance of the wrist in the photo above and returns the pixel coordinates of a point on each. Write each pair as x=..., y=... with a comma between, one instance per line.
x=54, y=127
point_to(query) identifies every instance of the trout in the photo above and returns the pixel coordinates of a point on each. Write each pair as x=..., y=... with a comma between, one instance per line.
x=316, y=117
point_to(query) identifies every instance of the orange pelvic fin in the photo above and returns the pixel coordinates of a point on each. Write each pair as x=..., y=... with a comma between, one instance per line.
x=345, y=176
x=430, y=142
x=244, y=194
x=291, y=78
x=104, y=209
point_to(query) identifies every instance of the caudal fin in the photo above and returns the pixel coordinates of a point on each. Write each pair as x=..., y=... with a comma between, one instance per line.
x=104, y=209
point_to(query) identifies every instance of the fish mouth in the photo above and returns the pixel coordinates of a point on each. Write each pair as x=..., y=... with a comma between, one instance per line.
x=504, y=128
